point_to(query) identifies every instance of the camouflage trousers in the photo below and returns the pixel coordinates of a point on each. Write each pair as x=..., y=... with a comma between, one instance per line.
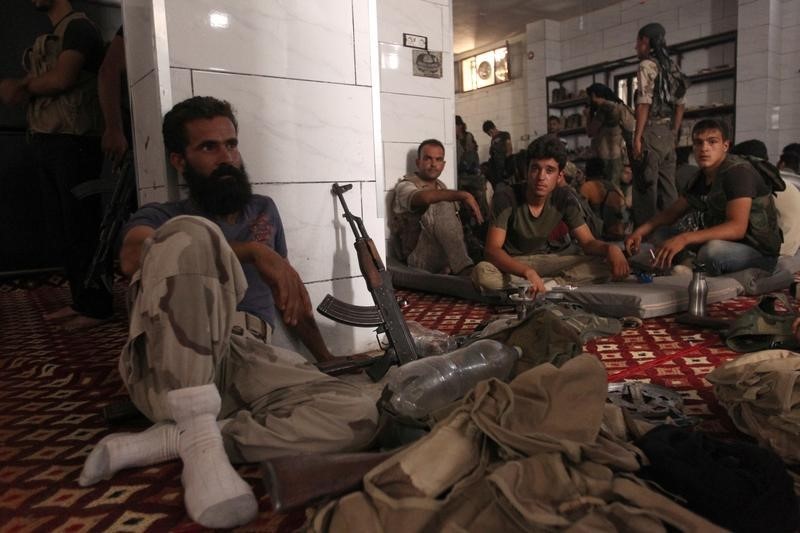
x=183, y=311
x=564, y=269
x=441, y=242
x=654, y=178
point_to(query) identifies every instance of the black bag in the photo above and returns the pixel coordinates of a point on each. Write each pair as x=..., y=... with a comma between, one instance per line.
x=768, y=171
x=735, y=484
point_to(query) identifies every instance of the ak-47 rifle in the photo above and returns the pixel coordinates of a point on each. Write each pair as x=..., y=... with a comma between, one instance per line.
x=123, y=181
x=385, y=314
x=297, y=481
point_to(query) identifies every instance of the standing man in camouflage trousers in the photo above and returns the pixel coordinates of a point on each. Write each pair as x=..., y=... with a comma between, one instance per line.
x=207, y=274
x=659, y=112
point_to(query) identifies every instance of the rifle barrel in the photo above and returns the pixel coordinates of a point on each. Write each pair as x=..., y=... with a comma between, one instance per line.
x=355, y=222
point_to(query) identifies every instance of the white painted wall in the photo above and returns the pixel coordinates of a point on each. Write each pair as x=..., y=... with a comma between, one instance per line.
x=767, y=87
x=302, y=78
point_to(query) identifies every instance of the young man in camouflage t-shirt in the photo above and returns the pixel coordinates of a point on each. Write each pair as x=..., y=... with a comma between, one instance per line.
x=523, y=217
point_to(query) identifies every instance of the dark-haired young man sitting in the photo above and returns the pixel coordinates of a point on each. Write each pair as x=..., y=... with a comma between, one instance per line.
x=729, y=215
x=523, y=217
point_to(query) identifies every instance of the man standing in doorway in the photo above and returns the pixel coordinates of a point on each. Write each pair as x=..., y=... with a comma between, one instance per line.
x=501, y=151
x=64, y=124
x=659, y=112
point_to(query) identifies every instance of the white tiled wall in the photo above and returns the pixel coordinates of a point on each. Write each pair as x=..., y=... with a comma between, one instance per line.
x=300, y=75
x=414, y=108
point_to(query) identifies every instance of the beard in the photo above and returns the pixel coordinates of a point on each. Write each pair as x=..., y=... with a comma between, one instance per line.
x=223, y=192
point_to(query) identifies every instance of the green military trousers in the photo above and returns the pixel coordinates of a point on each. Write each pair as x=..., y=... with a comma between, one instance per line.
x=183, y=307
x=563, y=269
x=654, y=178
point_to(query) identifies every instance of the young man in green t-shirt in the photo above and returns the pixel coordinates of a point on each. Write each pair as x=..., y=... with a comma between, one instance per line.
x=523, y=218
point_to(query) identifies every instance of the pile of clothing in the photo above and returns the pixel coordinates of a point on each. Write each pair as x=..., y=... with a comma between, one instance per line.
x=547, y=452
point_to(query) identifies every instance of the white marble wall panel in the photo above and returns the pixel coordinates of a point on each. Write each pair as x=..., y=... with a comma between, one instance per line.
x=697, y=13
x=139, y=44
x=148, y=141
x=320, y=241
x=718, y=26
x=396, y=17
x=181, y=79
x=149, y=195
x=361, y=42
x=410, y=119
x=633, y=10
x=305, y=39
x=397, y=75
x=296, y=131
x=340, y=339
x=399, y=160
x=668, y=19
x=752, y=15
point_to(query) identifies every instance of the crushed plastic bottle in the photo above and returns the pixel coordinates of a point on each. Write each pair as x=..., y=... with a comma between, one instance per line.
x=425, y=385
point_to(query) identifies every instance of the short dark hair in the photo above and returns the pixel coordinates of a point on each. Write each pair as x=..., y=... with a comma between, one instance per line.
x=488, y=126
x=426, y=142
x=791, y=160
x=751, y=147
x=713, y=124
x=174, y=126
x=548, y=147
x=792, y=147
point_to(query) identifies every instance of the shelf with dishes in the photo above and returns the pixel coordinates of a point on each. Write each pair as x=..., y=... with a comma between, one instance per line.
x=572, y=131
x=709, y=110
x=569, y=102
x=566, y=90
x=720, y=72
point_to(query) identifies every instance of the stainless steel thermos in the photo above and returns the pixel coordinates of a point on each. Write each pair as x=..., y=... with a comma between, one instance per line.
x=698, y=290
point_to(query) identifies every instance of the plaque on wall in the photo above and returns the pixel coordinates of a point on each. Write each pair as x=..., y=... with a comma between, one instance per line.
x=427, y=63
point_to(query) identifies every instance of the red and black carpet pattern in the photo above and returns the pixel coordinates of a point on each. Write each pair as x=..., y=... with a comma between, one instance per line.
x=54, y=384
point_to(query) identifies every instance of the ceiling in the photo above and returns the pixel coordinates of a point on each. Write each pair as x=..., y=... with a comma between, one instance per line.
x=478, y=23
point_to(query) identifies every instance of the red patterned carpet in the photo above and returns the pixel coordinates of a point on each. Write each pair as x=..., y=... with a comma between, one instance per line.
x=53, y=386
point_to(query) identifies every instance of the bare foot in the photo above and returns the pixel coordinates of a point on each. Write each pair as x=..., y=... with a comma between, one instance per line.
x=79, y=322
x=63, y=313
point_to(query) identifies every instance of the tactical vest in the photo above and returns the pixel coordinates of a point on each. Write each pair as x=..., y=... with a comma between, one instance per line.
x=76, y=111
x=406, y=227
x=763, y=232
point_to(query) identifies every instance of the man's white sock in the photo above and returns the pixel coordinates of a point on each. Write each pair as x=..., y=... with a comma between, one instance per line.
x=215, y=495
x=127, y=450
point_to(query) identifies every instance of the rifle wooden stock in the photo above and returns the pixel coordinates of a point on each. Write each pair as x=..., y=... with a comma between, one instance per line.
x=344, y=365
x=297, y=481
x=365, y=249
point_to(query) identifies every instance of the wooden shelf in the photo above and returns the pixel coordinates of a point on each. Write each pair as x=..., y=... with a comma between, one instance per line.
x=709, y=111
x=720, y=74
x=572, y=131
x=572, y=102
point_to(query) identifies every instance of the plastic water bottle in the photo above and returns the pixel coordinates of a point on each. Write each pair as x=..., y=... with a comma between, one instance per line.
x=422, y=386
x=698, y=290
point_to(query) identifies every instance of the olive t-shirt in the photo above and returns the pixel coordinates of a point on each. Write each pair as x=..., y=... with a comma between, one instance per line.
x=525, y=233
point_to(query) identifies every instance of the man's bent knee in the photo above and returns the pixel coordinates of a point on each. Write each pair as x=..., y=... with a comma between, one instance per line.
x=190, y=245
x=487, y=276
